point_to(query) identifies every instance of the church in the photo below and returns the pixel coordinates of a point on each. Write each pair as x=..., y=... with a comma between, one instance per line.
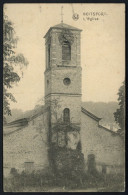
x=63, y=134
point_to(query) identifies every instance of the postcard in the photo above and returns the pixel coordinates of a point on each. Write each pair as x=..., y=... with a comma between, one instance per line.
x=64, y=97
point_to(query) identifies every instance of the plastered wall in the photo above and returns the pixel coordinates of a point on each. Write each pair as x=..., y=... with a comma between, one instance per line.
x=26, y=145
x=107, y=147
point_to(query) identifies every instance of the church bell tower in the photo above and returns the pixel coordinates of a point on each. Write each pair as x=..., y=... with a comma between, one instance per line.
x=63, y=72
x=63, y=85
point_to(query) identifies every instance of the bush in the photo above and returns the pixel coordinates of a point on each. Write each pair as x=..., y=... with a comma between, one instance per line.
x=35, y=179
x=45, y=179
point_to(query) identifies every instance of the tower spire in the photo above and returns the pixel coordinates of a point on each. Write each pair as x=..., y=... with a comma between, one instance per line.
x=62, y=14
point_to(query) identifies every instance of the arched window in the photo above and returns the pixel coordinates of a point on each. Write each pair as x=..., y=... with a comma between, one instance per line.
x=66, y=51
x=66, y=115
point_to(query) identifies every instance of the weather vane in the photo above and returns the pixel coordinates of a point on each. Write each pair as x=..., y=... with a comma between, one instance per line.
x=62, y=14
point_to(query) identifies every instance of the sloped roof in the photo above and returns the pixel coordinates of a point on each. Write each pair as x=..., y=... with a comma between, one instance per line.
x=63, y=26
x=21, y=123
x=15, y=126
x=90, y=114
x=113, y=132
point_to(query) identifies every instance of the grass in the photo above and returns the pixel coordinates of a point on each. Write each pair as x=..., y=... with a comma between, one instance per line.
x=47, y=182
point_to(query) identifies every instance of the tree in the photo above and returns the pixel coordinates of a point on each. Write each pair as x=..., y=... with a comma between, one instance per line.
x=120, y=113
x=11, y=61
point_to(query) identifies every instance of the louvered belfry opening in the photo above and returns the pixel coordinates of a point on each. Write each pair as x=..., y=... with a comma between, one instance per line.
x=66, y=115
x=66, y=51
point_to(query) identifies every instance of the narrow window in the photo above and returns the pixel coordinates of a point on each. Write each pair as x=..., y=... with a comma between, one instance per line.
x=66, y=51
x=104, y=169
x=91, y=163
x=66, y=115
x=47, y=83
x=49, y=55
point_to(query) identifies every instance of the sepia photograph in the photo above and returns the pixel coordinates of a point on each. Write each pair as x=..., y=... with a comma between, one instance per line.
x=64, y=97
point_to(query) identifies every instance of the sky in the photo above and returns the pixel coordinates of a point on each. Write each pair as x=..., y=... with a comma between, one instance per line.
x=102, y=48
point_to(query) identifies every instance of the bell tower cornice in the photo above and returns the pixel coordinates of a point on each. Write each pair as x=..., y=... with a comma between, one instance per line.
x=60, y=67
x=62, y=26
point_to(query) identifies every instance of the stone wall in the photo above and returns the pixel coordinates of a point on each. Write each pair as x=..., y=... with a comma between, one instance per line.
x=56, y=77
x=107, y=147
x=56, y=48
x=29, y=144
x=65, y=101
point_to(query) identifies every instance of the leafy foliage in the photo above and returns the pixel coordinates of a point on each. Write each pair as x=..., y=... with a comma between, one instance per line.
x=45, y=181
x=120, y=114
x=10, y=61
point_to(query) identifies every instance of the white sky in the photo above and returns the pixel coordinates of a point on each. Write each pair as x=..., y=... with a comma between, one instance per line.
x=102, y=48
